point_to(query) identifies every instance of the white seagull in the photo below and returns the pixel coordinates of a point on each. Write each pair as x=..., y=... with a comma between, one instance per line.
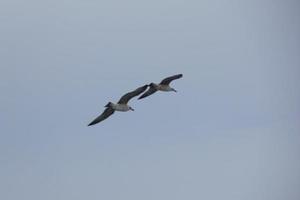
x=120, y=106
x=162, y=86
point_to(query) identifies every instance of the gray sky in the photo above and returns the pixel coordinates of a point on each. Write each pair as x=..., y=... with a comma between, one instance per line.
x=231, y=132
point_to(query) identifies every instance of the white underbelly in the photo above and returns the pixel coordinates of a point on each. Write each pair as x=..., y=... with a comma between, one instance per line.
x=165, y=88
x=121, y=107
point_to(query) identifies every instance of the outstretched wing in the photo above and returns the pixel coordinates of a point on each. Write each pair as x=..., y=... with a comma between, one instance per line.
x=106, y=113
x=168, y=80
x=125, y=98
x=151, y=90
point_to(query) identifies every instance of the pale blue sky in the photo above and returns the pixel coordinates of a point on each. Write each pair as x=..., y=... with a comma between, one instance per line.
x=231, y=132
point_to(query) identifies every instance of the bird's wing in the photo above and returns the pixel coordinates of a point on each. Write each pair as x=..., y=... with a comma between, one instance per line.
x=168, y=80
x=125, y=98
x=151, y=90
x=106, y=113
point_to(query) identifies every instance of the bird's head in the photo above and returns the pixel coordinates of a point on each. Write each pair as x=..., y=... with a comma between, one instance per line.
x=130, y=108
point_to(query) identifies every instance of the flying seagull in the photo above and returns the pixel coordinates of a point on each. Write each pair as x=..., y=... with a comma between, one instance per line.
x=162, y=86
x=120, y=106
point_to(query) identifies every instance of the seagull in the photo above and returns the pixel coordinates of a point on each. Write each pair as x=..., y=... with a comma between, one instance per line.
x=120, y=106
x=162, y=86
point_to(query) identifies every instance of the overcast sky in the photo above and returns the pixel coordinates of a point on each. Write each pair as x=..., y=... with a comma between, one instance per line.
x=232, y=131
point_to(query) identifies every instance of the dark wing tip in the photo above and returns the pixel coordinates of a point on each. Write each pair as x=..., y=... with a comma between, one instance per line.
x=105, y=114
x=141, y=97
x=145, y=87
x=178, y=76
x=90, y=124
x=93, y=123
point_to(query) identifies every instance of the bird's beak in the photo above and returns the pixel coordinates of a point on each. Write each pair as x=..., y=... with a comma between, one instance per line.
x=131, y=109
x=174, y=90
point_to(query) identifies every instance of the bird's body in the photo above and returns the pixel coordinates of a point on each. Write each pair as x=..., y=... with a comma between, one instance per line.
x=121, y=106
x=162, y=86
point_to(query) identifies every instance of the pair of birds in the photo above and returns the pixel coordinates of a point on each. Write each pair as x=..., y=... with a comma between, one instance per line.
x=122, y=103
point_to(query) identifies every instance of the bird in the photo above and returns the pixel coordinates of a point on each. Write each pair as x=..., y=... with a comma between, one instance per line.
x=162, y=86
x=120, y=106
